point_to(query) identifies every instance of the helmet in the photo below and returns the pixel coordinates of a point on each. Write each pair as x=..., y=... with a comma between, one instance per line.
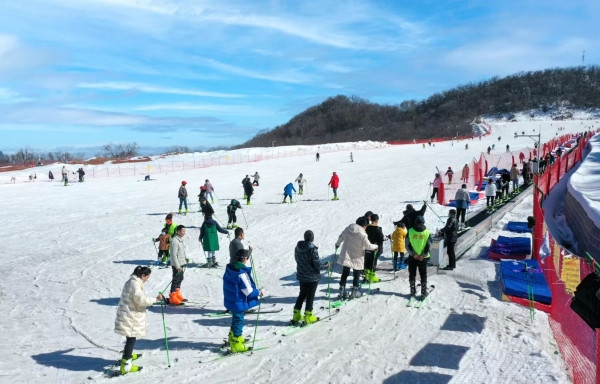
x=183, y=182
x=420, y=220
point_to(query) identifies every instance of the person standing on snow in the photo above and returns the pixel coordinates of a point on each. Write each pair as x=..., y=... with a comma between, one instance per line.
x=351, y=158
x=81, y=173
x=462, y=203
x=178, y=262
x=410, y=215
x=50, y=175
x=131, y=316
x=419, y=242
x=65, y=175
x=514, y=177
x=238, y=243
x=206, y=208
x=450, y=174
x=239, y=295
x=318, y=156
x=450, y=232
x=308, y=273
x=490, y=194
x=375, y=236
x=354, y=242
x=170, y=225
x=300, y=180
x=287, y=191
x=334, y=182
x=209, y=190
x=398, y=238
x=437, y=181
x=465, y=174
x=231, y=217
x=210, y=240
x=248, y=190
x=164, y=241
x=256, y=177
x=182, y=195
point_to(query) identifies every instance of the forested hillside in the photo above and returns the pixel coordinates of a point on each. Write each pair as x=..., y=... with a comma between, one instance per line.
x=445, y=114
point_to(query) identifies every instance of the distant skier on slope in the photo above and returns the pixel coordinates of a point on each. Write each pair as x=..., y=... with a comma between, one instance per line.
x=231, y=217
x=334, y=182
x=450, y=174
x=248, y=189
x=288, y=191
x=301, y=181
x=209, y=190
x=182, y=195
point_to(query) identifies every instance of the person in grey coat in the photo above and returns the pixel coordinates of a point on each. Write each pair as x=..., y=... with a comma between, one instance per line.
x=308, y=273
x=236, y=244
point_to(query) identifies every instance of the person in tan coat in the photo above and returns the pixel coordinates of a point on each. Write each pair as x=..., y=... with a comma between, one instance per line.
x=354, y=242
x=131, y=315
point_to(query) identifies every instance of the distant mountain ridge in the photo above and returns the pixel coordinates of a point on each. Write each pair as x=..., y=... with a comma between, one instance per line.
x=445, y=114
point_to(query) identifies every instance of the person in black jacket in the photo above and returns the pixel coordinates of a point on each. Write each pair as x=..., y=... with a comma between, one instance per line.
x=308, y=273
x=375, y=235
x=410, y=215
x=450, y=232
x=248, y=189
x=206, y=208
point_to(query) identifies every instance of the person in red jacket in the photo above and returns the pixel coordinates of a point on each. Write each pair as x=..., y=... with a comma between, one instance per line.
x=334, y=182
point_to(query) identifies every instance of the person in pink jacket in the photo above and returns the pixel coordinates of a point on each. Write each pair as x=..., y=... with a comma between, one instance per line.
x=437, y=181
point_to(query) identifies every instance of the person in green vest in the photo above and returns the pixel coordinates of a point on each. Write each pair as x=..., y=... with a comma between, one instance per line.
x=419, y=242
x=210, y=239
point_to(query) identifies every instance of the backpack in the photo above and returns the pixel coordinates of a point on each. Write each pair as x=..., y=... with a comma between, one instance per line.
x=586, y=302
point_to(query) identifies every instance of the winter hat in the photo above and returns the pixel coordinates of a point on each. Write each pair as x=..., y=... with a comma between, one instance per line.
x=420, y=220
x=169, y=217
x=183, y=182
x=362, y=221
x=309, y=236
x=242, y=254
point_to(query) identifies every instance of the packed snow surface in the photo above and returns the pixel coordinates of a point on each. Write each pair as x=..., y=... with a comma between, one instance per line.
x=69, y=250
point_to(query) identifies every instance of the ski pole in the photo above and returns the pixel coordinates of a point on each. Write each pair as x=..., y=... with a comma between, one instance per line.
x=244, y=216
x=162, y=309
x=156, y=249
x=329, y=273
x=220, y=222
x=259, y=301
x=167, y=286
x=438, y=216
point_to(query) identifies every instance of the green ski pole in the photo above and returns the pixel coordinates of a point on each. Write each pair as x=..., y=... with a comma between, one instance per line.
x=162, y=309
x=259, y=303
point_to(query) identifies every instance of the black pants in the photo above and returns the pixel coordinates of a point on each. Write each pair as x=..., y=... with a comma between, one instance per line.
x=460, y=214
x=232, y=219
x=395, y=258
x=307, y=292
x=370, y=260
x=434, y=193
x=451, y=254
x=177, y=279
x=128, y=351
x=163, y=252
x=489, y=201
x=413, y=265
x=346, y=273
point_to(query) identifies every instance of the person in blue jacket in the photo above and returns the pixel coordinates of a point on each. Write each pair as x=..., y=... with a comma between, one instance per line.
x=287, y=191
x=239, y=294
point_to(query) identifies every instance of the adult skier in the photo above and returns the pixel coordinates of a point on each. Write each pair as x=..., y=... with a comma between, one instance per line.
x=419, y=242
x=238, y=243
x=288, y=191
x=256, y=177
x=208, y=187
x=231, y=217
x=248, y=190
x=182, y=195
x=81, y=173
x=410, y=215
x=301, y=181
x=490, y=194
x=450, y=232
x=437, y=181
x=334, y=182
x=210, y=239
x=462, y=203
x=308, y=273
x=514, y=177
x=131, y=315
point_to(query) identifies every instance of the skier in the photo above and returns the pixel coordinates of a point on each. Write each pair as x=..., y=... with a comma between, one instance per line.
x=507, y=148
x=410, y=215
x=238, y=243
x=521, y=157
x=334, y=182
x=131, y=315
x=300, y=180
x=466, y=146
x=462, y=203
x=244, y=181
x=375, y=236
x=209, y=190
x=240, y=294
x=50, y=175
x=81, y=173
x=308, y=273
x=505, y=181
x=164, y=241
x=182, y=195
x=170, y=225
x=525, y=174
x=206, y=208
x=514, y=176
x=65, y=175
x=352, y=255
x=490, y=194
x=398, y=238
x=450, y=174
x=450, y=232
x=465, y=174
x=201, y=196
x=256, y=177
x=489, y=149
x=419, y=242
x=437, y=181
x=248, y=190
x=178, y=263
x=351, y=158
x=231, y=218
x=210, y=240
x=287, y=191
x=318, y=156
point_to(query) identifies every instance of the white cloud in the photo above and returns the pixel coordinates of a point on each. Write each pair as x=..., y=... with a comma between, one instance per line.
x=244, y=110
x=8, y=96
x=139, y=87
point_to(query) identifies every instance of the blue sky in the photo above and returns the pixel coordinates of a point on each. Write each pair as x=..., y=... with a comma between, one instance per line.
x=77, y=74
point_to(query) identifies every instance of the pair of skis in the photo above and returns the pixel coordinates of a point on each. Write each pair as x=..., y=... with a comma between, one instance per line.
x=415, y=303
x=299, y=326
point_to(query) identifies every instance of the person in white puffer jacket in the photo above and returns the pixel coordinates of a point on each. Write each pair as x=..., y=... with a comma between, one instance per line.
x=354, y=242
x=131, y=315
x=490, y=194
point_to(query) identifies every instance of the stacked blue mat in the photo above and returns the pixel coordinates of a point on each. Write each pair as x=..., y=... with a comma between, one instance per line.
x=518, y=276
x=518, y=226
x=512, y=245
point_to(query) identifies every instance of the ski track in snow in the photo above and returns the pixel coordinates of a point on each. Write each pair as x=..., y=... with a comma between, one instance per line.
x=72, y=251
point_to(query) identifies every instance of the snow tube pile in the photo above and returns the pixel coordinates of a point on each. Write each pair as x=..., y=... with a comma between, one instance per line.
x=516, y=248
x=520, y=278
x=517, y=226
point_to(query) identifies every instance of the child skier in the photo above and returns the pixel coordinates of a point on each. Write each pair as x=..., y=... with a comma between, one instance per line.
x=450, y=174
x=398, y=238
x=209, y=191
x=210, y=240
x=300, y=180
x=490, y=194
x=437, y=181
x=419, y=242
x=375, y=236
x=240, y=294
x=231, y=218
x=131, y=315
x=287, y=191
x=182, y=195
x=201, y=196
x=164, y=240
x=178, y=263
x=308, y=273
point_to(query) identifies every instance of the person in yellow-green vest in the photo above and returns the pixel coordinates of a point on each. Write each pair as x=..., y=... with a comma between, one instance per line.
x=170, y=225
x=210, y=239
x=419, y=242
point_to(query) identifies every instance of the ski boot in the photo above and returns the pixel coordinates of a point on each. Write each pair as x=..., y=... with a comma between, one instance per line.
x=180, y=211
x=234, y=226
x=187, y=211
x=371, y=277
x=297, y=317
x=309, y=318
x=127, y=366
x=413, y=289
x=179, y=295
x=212, y=201
x=174, y=299
x=424, y=292
x=355, y=293
x=284, y=201
x=238, y=344
x=291, y=200
x=402, y=265
x=343, y=294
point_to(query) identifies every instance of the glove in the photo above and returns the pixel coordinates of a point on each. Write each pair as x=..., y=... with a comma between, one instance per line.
x=336, y=247
x=153, y=240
